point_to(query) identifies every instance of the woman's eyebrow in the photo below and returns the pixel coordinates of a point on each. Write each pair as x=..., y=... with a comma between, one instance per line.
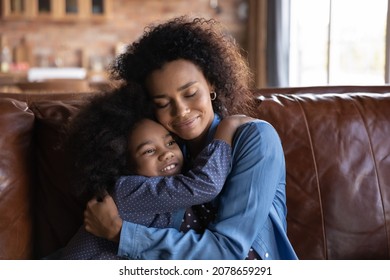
x=183, y=87
x=187, y=85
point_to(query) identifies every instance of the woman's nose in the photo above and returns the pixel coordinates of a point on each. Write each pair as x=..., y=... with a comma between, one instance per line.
x=181, y=108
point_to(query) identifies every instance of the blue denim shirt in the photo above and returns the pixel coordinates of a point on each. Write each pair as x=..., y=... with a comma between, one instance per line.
x=251, y=209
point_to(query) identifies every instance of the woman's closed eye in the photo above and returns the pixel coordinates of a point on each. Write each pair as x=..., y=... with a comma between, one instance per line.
x=191, y=94
x=161, y=105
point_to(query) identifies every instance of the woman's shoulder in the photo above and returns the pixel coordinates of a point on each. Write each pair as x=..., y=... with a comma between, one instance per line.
x=258, y=125
x=254, y=142
x=257, y=129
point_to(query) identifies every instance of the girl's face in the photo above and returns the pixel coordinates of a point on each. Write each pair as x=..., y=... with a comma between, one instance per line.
x=181, y=96
x=153, y=151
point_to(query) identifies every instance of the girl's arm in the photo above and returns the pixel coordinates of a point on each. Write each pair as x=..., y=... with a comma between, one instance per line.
x=169, y=193
x=227, y=127
x=199, y=185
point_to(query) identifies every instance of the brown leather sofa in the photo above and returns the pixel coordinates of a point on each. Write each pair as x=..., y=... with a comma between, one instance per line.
x=337, y=147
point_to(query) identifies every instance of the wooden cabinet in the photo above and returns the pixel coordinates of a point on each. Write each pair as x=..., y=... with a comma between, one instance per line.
x=16, y=9
x=85, y=9
x=55, y=9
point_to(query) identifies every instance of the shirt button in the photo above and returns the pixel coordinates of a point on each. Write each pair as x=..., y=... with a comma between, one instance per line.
x=266, y=255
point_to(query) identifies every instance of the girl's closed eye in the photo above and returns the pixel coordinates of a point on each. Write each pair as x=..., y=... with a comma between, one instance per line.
x=149, y=151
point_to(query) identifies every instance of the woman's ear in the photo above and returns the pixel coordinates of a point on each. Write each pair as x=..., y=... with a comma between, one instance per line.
x=211, y=87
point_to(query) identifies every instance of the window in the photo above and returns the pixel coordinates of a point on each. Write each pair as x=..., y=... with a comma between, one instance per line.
x=71, y=7
x=44, y=6
x=338, y=42
x=97, y=7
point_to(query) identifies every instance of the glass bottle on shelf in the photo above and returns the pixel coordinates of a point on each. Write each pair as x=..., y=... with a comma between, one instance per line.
x=17, y=7
x=5, y=55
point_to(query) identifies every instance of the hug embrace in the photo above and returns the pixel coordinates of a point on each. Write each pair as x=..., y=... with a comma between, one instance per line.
x=181, y=170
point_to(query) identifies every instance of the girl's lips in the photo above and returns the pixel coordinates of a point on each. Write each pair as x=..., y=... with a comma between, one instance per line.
x=171, y=168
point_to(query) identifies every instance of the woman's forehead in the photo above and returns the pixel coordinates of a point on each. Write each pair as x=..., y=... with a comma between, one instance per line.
x=175, y=75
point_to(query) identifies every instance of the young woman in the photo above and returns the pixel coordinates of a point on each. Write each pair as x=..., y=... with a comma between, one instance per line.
x=194, y=75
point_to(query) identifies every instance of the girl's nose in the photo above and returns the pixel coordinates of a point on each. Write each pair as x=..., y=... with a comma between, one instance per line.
x=167, y=156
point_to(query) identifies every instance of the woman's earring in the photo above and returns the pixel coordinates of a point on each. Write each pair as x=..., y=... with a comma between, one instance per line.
x=213, y=95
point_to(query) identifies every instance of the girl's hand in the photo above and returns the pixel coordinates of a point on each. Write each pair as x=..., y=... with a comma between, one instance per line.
x=228, y=126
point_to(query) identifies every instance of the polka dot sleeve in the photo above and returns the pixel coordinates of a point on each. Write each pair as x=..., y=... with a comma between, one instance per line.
x=167, y=194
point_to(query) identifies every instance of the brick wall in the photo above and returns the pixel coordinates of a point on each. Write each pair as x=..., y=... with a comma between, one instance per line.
x=67, y=43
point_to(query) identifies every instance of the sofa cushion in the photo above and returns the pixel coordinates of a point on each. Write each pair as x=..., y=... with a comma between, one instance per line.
x=16, y=126
x=337, y=152
x=58, y=211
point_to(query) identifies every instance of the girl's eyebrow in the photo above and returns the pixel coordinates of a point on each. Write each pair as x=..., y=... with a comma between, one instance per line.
x=139, y=147
x=168, y=135
x=149, y=142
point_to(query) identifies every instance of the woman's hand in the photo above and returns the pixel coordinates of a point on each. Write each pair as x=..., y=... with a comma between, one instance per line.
x=228, y=126
x=101, y=218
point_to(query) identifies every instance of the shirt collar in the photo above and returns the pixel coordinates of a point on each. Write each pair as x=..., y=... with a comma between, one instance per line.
x=213, y=128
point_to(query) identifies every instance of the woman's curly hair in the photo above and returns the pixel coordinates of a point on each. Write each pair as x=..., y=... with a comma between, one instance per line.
x=97, y=138
x=204, y=43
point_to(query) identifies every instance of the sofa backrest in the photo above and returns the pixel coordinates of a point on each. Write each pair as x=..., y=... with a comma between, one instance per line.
x=337, y=149
x=58, y=212
x=16, y=179
x=38, y=213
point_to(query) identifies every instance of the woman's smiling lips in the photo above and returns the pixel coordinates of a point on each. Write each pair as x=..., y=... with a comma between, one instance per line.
x=185, y=124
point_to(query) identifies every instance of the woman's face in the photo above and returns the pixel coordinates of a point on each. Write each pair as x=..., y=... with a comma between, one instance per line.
x=182, y=101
